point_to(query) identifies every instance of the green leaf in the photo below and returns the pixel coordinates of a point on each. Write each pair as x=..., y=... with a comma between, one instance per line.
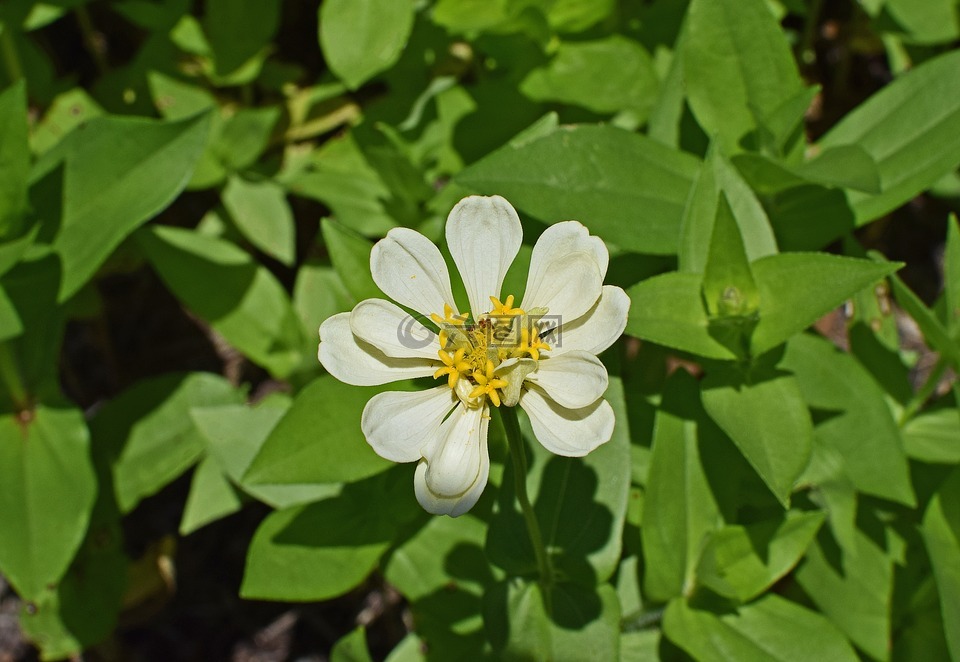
x=261, y=212
x=856, y=419
x=848, y=166
x=350, y=254
x=149, y=432
x=605, y=75
x=728, y=286
x=211, y=497
x=352, y=647
x=46, y=495
x=941, y=535
x=319, y=439
x=933, y=331
x=911, y=129
x=578, y=624
x=223, y=285
x=766, y=417
x=772, y=628
x=951, y=277
x=738, y=66
x=238, y=30
x=853, y=588
x=598, y=175
x=740, y=562
x=324, y=549
x=119, y=172
x=668, y=310
x=933, y=436
x=680, y=509
x=796, y=289
x=14, y=159
x=319, y=293
x=931, y=22
x=68, y=111
x=361, y=38
x=579, y=502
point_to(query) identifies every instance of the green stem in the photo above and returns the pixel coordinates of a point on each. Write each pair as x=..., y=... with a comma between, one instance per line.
x=920, y=397
x=90, y=39
x=9, y=51
x=512, y=426
x=10, y=376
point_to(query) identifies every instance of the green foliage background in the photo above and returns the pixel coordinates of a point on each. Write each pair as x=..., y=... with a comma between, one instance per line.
x=768, y=494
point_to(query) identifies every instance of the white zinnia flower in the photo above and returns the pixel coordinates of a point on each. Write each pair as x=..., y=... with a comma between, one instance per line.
x=445, y=428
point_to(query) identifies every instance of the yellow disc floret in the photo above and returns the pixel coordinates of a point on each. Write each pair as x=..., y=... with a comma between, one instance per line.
x=531, y=344
x=448, y=320
x=487, y=384
x=504, y=308
x=453, y=366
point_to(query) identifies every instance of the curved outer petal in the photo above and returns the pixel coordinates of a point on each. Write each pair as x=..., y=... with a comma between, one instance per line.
x=395, y=333
x=454, y=471
x=597, y=329
x=483, y=235
x=409, y=269
x=356, y=362
x=566, y=271
x=400, y=424
x=569, y=432
x=574, y=379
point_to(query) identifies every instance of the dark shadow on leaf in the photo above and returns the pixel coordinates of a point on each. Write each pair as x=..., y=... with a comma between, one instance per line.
x=809, y=217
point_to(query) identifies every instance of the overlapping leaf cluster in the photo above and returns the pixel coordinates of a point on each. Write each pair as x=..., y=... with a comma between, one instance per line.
x=769, y=496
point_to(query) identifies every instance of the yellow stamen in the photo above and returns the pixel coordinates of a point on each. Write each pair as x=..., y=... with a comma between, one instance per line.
x=453, y=366
x=531, y=344
x=504, y=308
x=487, y=384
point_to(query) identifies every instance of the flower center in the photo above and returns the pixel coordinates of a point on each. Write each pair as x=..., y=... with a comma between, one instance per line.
x=472, y=351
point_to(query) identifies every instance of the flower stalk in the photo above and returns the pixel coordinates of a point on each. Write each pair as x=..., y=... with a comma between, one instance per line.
x=517, y=452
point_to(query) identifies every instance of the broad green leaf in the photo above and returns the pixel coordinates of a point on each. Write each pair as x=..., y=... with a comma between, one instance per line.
x=46, y=495
x=261, y=212
x=766, y=417
x=951, y=277
x=234, y=434
x=741, y=562
x=319, y=293
x=668, y=310
x=933, y=436
x=579, y=624
x=442, y=570
x=846, y=166
x=361, y=38
x=911, y=128
x=211, y=497
x=929, y=22
x=941, y=535
x=680, y=509
x=607, y=75
x=340, y=176
x=796, y=289
x=319, y=439
x=853, y=588
x=149, y=432
x=737, y=65
x=176, y=99
x=577, y=16
x=67, y=112
x=350, y=254
x=223, y=285
x=14, y=159
x=728, y=286
x=352, y=647
x=238, y=30
x=933, y=331
x=856, y=419
x=11, y=251
x=833, y=490
x=772, y=628
x=624, y=187
x=119, y=172
x=324, y=549
x=243, y=136
x=579, y=502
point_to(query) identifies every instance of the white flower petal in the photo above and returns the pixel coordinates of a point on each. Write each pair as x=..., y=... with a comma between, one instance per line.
x=569, y=432
x=400, y=424
x=409, y=269
x=387, y=327
x=566, y=271
x=356, y=362
x=452, y=475
x=573, y=379
x=597, y=329
x=483, y=235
